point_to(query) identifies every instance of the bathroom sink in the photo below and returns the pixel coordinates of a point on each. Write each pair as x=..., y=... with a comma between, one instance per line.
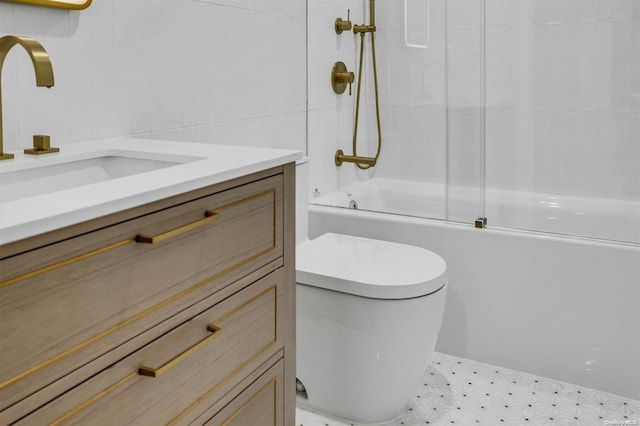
x=35, y=178
x=92, y=179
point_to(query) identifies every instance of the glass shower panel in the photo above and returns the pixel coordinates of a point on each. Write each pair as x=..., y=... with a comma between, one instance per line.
x=410, y=175
x=466, y=111
x=563, y=117
x=411, y=54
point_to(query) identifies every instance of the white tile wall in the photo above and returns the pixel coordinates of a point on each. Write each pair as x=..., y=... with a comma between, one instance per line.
x=213, y=71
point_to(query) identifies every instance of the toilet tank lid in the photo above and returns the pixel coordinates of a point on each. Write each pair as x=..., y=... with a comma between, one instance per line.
x=368, y=267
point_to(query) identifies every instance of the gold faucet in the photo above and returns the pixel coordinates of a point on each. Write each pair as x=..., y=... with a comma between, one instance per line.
x=41, y=65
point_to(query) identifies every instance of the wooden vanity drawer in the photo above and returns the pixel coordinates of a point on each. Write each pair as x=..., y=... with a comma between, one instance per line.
x=191, y=364
x=67, y=304
x=261, y=404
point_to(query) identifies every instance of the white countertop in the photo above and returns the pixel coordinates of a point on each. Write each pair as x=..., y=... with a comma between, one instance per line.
x=27, y=217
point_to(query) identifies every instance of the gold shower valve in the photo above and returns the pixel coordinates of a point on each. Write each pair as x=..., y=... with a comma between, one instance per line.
x=340, y=77
x=343, y=25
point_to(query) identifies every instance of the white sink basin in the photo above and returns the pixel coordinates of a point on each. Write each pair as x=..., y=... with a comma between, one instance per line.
x=57, y=174
x=92, y=179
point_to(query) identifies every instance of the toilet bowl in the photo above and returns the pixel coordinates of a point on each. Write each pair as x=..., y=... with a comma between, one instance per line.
x=368, y=317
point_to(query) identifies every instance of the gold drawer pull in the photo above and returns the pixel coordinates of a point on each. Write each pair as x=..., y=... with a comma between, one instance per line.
x=156, y=372
x=209, y=216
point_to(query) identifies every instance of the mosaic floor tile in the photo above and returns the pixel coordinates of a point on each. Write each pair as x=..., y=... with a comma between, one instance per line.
x=464, y=392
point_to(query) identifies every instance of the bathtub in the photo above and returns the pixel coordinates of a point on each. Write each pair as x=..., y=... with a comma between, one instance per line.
x=553, y=305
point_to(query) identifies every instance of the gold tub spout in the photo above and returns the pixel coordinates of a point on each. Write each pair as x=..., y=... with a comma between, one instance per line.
x=41, y=65
x=341, y=158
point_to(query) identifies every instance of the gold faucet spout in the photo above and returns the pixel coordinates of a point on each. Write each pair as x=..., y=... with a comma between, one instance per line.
x=41, y=65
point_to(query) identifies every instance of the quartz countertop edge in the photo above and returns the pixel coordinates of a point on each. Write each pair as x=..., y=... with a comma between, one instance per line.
x=28, y=217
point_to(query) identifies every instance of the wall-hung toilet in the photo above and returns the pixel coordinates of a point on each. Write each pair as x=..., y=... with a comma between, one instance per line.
x=368, y=316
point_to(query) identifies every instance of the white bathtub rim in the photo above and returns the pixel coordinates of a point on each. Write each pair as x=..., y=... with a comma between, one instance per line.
x=397, y=218
x=568, y=215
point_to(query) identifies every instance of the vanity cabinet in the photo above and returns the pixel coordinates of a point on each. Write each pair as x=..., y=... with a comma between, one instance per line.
x=176, y=312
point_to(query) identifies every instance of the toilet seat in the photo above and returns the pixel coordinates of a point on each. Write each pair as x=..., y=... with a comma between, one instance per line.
x=369, y=268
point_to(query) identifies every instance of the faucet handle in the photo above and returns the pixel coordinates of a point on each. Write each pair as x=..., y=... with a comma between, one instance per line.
x=41, y=145
x=340, y=77
x=343, y=25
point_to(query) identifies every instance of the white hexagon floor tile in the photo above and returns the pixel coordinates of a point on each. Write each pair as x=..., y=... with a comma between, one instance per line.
x=464, y=392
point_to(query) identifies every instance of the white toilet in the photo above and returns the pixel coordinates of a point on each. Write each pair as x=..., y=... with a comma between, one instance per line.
x=368, y=317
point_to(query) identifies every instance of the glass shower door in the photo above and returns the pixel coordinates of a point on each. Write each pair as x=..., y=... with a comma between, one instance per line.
x=411, y=52
x=465, y=111
x=563, y=117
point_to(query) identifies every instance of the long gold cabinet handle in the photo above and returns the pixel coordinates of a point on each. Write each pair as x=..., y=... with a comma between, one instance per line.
x=156, y=372
x=209, y=216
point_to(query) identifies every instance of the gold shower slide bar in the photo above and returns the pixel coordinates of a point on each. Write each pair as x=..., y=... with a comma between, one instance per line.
x=341, y=158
